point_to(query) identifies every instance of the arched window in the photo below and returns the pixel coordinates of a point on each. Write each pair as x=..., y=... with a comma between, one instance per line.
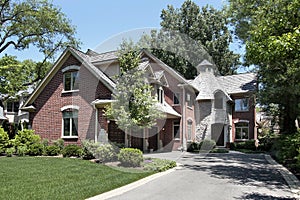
x=70, y=122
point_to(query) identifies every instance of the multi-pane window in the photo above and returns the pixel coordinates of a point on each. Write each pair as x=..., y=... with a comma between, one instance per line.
x=176, y=97
x=241, y=104
x=176, y=129
x=12, y=106
x=71, y=81
x=242, y=131
x=70, y=123
x=189, y=129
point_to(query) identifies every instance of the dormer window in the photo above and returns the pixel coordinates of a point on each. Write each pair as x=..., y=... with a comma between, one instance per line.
x=160, y=95
x=71, y=78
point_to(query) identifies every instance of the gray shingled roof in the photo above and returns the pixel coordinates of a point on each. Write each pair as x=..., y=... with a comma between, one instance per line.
x=111, y=55
x=239, y=83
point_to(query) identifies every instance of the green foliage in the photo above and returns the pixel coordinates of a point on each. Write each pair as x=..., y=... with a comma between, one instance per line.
x=207, y=145
x=271, y=33
x=192, y=147
x=35, y=149
x=21, y=150
x=89, y=149
x=59, y=143
x=26, y=138
x=52, y=150
x=72, y=150
x=190, y=34
x=216, y=150
x=130, y=157
x=105, y=153
x=10, y=151
x=3, y=140
x=158, y=165
x=135, y=107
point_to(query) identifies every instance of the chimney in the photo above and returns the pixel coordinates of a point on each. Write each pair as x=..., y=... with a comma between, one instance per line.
x=206, y=66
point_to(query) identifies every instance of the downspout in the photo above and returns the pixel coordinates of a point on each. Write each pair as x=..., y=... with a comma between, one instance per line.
x=183, y=141
x=96, y=125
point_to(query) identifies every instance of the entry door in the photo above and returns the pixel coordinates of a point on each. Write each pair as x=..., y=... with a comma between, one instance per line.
x=217, y=133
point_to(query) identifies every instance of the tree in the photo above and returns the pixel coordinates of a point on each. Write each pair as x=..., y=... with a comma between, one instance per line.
x=16, y=75
x=189, y=35
x=135, y=108
x=36, y=23
x=271, y=33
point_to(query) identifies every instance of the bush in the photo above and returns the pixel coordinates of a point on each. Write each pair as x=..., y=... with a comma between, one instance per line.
x=158, y=165
x=89, y=149
x=105, y=153
x=194, y=146
x=21, y=150
x=35, y=149
x=26, y=138
x=4, y=139
x=52, y=150
x=130, y=157
x=207, y=145
x=59, y=143
x=10, y=151
x=72, y=150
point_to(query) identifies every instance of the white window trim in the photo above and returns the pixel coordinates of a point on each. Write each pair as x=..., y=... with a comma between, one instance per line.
x=71, y=67
x=68, y=91
x=62, y=122
x=161, y=95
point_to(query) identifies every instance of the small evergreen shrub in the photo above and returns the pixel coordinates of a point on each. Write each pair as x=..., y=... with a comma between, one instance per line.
x=52, y=150
x=26, y=138
x=72, y=150
x=4, y=140
x=250, y=145
x=194, y=146
x=130, y=157
x=89, y=149
x=105, y=153
x=10, y=151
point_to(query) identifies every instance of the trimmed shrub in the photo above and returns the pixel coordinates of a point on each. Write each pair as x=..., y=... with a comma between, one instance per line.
x=72, y=150
x=194, y=146
x=10, y=151
x=52, y=150
x=4, y=139
x=105, y=153
x=130, y=157
x=89, y=149
x=250, y=145
x=158, y=165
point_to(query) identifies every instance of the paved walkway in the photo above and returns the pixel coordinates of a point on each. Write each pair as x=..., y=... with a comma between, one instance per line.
x=213, y=176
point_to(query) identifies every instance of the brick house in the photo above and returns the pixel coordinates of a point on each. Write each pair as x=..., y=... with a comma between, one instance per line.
x=69, y=103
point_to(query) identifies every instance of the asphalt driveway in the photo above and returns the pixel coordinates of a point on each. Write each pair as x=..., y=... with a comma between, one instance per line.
x=215, y=176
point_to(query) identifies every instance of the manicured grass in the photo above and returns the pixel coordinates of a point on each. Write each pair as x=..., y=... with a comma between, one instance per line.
x=59, y=178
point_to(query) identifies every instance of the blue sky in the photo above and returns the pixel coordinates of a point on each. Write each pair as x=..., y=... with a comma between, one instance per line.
x=96, y=21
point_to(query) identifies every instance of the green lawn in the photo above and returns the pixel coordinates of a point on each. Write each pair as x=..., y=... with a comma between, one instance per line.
x=59, y=178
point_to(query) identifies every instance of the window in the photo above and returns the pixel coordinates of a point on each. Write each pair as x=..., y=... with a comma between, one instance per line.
x=189, y=129
x=241, y=104
x=176, y=97
x=12, y=106
x=160, y=95
x=242, y=131
x=70, y=123
x=71, y=81
x=189, y=100
x=176, y=130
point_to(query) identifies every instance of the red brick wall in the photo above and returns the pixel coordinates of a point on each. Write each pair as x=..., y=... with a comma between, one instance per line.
x=247, y=115
x=47, y=120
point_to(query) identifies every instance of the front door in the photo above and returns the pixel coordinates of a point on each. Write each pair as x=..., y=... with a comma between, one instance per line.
x=217, y=134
